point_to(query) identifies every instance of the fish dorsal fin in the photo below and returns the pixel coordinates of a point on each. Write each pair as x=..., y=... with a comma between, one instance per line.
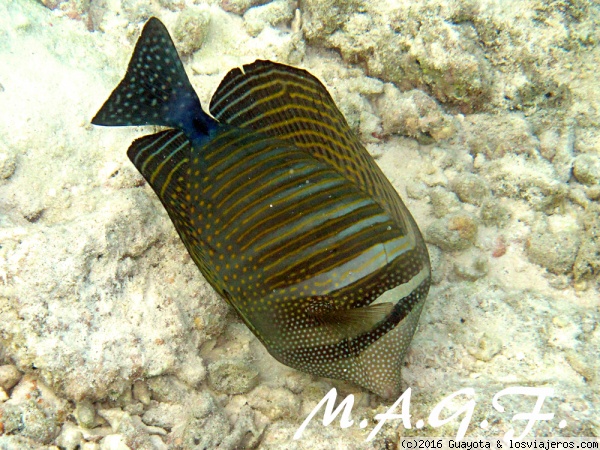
x=293, y=105
x=352, y=322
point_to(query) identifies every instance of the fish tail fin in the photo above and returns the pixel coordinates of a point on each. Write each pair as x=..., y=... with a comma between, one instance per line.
x=155, y=89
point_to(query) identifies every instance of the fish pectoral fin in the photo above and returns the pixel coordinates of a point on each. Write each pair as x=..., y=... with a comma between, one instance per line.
x=356, y=321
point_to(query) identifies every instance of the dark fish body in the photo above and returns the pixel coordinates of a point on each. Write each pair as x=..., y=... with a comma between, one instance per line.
x=282, y=209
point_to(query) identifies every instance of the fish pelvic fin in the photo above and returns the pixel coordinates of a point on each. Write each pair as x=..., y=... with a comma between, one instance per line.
x=156, y=89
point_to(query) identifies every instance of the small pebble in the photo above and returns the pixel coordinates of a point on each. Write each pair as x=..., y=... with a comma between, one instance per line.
x=586, y=169
x=276, y=404
x=438, y=264
x=273, y=14
x=416, y=189
x=580, y=286
x=191, y=30
x=113, y=416
x=296, y=381
x=556, y=251
x=8, y=164
x=240, y=6
x=366, y=85
x=471, y=189
x=9, y=376
x=559, y=282
x=30, y=420
x=578, y=196
x=70, y=437
x=499, y=248
x=548, y=141
x=487, y=347
x=369, y=127
x=494, y=214
x=172, y=5
x=164, y=415
x=232, y=376
x=585, y=366
x=453, y=232
x=443, y=202
x=474, y=267
x=413, y=114
x=85, y=414
x=593, y=192
x=192, y=371
x=114, y=442
x=166, y=388
x=141, y=392
x=158, y=443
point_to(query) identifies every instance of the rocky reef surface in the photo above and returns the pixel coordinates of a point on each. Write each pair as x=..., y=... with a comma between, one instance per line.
x=484, y=114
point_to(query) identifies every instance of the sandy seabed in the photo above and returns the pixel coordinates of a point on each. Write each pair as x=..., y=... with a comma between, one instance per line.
x=485, y=115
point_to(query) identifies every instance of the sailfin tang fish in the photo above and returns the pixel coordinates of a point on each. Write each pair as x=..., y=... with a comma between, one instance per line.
x=282, y=209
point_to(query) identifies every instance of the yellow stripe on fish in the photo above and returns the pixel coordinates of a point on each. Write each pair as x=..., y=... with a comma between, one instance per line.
x=282, y=209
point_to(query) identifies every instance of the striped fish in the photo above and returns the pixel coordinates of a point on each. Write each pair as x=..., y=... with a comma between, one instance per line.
x=283, y=210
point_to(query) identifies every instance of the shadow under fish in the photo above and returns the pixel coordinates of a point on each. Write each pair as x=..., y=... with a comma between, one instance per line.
x=283, y=210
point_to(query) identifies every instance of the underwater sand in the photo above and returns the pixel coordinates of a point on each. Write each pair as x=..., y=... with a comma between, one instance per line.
x=485, y=115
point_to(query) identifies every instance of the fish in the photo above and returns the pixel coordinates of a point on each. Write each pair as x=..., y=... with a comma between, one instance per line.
x=283, y=210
